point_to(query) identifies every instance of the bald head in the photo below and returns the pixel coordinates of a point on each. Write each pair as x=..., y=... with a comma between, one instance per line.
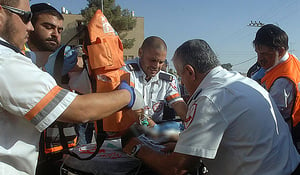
x=152, y=55
x=154, y=42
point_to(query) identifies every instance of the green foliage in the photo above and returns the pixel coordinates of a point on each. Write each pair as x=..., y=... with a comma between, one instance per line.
x=121, y=20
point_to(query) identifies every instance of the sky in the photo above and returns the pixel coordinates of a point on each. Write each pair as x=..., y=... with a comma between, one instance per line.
x=223, y=24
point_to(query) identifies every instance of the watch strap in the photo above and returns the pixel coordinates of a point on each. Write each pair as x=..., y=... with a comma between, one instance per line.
x=135, y=150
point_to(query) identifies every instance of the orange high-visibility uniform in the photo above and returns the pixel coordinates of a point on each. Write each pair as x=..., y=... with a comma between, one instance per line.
x=289, y=69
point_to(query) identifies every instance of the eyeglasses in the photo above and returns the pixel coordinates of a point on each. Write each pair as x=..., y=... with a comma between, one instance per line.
x=25, y=16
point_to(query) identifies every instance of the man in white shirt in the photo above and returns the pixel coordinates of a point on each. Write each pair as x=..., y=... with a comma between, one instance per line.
x=232, y=125
x=159, y=88
x=43, y=47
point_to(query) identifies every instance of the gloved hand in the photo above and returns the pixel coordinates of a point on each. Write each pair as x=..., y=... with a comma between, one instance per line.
x=136, y=101
x=259, y=74
x=70, y=60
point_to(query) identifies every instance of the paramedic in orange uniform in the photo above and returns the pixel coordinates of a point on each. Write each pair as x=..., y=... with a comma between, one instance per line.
x=282, y=76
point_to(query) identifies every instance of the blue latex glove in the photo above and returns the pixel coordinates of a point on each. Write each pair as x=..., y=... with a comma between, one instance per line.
x=70, y=60
x=124, y=85
x=259, y=74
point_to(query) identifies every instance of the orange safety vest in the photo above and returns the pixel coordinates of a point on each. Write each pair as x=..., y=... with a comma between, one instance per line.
x=105, y=60
x=52, y=142
x=289, y=69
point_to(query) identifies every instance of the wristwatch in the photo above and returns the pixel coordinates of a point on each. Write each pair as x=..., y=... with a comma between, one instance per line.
x=135, y=150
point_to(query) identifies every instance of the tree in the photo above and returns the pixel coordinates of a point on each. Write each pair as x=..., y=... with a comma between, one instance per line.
x=121, y=20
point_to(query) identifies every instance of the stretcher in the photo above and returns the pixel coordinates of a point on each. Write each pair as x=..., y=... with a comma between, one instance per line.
x=109, y=160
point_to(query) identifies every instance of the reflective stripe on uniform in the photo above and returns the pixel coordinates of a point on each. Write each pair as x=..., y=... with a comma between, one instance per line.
x=59, y=148
x=46, y=105
x=171, y=97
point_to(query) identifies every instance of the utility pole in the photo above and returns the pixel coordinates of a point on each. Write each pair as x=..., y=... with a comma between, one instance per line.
x=256, y=24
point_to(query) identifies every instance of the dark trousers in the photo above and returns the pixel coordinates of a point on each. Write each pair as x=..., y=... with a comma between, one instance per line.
x=296, y=171
x=49, y=166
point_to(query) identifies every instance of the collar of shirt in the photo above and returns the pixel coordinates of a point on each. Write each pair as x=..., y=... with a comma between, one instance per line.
x=284, y=58
x=10, y=50
x=205, y=82
x=3, y=39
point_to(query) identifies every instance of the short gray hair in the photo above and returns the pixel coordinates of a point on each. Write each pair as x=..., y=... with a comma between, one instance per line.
x=198, y=54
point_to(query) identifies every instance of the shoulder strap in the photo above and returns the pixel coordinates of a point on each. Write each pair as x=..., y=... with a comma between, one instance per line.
x=92, y=78
x=101, y=134
x=133, y=67
x=165, y=76
x=59, y=61
x=58, y=65
x=62, y=137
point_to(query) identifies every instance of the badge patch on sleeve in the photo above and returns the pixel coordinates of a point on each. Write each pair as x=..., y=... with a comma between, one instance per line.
x=173, y=84
x=157, y=106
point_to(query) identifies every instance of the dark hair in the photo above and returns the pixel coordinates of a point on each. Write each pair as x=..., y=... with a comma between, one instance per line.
x=271, y=36
x=198, y=54
x=154, y=42
x=44, y=8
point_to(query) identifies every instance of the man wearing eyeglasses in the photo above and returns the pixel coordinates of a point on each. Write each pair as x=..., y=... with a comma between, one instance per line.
x=30, y=99
x=16, y=35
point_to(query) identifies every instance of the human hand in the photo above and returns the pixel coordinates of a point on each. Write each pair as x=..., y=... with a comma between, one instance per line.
x=136, y=101
x=169, y=147
x=130, y=144
x=151, y=123
x=70, y=60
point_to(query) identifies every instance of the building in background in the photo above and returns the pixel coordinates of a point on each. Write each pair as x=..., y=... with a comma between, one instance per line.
x=138, y=34
x=70, y=25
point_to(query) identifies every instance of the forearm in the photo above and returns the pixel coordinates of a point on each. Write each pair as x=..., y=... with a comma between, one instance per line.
x=162, y=163
x=95, y=106
x=180, y=109
x=148, y=156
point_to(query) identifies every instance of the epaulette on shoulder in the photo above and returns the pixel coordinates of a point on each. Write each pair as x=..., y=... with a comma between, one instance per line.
x=165, y=76
x=133, y=67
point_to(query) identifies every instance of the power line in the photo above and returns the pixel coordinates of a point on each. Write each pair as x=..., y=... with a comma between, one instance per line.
x=251, y=24
x=245, y=61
